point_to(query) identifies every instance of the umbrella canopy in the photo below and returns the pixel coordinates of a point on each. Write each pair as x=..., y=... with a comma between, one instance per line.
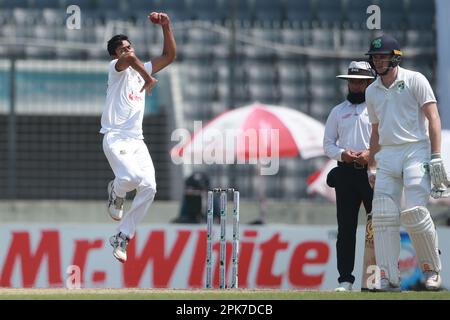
x=257, y=131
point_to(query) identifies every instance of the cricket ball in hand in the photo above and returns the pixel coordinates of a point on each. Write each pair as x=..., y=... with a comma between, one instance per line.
x=154, y=17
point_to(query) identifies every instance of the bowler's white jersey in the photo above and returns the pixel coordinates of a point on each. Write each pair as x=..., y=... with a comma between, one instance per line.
x=125, y=104
x=398, y=109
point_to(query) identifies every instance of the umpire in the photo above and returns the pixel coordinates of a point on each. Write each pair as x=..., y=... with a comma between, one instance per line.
x=347, y=134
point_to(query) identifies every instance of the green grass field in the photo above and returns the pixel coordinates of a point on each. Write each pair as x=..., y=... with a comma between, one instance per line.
x=241, y=294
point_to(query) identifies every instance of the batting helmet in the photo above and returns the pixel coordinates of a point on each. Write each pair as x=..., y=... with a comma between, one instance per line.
x=385, y=45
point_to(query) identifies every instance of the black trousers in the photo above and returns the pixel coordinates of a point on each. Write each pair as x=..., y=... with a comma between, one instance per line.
x=352, y=187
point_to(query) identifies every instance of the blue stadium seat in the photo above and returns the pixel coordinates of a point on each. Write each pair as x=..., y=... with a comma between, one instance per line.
x=55, y=4
x=328, y=13
x=201, y=37
x=258, y=53
x=96, y=53
x=297, y=37
x=74, y=35
x=421, y=14
x=398, y=5
x=323, y=92
x=240, y=93
x=355, y=39
x=298, y=13
x=419, y=6
x=423, y=39
x=321, y=71
x=83, y=4
x=320, y=109
x=196, y=53
x=261, y=73
x=264, y=93
x=144, y=6
x=206, y=10
x=266, y=34
x=39, y=52
x=22, y=16
x=199, y=92
x=268, y=12
x=11, y=4
x=294, y=91
x=243, y=10
x=393, y=20
x=291, y=73
x=356, y=12
x=5, y=17
x=294, y=96
x=223, y=72
x=200, y=73
x=295, y=103
x=53, y=16
x=47, y=32
x=217, y=108
x=324, y=38
x=197, y=111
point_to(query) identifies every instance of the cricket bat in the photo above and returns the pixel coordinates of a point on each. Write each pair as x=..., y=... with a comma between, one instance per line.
x=369, y=252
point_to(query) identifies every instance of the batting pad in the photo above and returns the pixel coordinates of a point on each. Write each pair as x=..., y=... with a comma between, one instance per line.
x=420, y=227
x=386, y=228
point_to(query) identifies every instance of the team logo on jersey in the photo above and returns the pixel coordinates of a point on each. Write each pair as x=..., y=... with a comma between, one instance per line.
x=134, y=97
x=401, y=86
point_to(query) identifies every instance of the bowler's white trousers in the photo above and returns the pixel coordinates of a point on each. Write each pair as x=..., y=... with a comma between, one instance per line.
x=133, y=167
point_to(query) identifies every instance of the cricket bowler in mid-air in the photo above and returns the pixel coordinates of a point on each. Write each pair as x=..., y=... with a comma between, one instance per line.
x=121, y=125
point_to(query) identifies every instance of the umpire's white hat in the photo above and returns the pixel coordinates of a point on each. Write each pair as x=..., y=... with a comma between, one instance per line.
x=358, y=70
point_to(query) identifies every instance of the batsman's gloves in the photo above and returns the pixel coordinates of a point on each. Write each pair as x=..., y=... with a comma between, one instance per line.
x=437, y=173
x=440, y=193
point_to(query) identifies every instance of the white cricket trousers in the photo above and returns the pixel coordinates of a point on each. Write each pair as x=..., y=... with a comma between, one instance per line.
x=403, y=169
x=133, y=167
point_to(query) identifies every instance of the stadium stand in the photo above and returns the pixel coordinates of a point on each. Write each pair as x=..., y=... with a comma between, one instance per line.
x=287, y=52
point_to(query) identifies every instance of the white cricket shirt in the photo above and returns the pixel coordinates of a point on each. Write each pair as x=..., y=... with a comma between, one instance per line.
x=125, y=104
x=398, y=109
x=347, y=127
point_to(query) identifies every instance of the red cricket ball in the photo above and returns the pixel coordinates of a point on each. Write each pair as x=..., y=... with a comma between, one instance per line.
x=154, y=17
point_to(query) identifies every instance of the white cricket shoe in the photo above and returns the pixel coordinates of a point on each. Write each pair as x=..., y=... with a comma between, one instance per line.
x=115, y=203
x=119, y=242
x=432, y=280
x=344, y=287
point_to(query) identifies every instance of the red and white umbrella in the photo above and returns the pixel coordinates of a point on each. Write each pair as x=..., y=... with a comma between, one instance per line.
x=253, y=133
x=317, y=182
x=258, y=130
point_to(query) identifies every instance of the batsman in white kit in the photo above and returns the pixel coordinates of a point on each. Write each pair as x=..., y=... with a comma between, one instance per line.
x=405, y=145
x=123, y=141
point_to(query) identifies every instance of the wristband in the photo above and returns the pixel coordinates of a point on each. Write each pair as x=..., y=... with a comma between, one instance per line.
x=436, y=155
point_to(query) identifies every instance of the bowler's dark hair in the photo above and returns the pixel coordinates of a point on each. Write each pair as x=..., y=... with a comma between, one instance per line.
x=115, y=42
